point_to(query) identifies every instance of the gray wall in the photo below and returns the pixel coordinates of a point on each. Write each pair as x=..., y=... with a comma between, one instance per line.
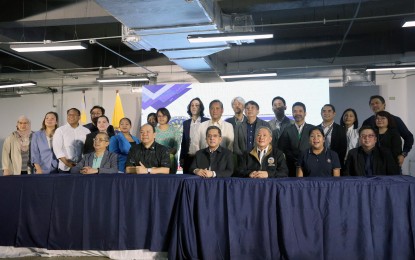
x=353, y=97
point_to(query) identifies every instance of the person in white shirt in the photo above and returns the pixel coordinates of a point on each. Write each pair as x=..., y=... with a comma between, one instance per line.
x=68, y=141
x=195, y=110
x=350, y=122
x=216, y=111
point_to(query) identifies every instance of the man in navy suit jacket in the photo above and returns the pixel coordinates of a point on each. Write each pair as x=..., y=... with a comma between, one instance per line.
x=195, y=109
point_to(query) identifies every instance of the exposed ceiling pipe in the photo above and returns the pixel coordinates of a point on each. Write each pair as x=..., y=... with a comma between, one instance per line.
x=347, y=32
x=125, y=58
x=33, y=62
x=326, y=21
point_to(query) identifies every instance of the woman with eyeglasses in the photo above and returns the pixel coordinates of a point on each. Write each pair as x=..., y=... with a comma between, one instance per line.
x=103, y=125
x=41, y=147
x=388, y=135
x=168, y=136
x=122, y=142
x=16, y=149
x=99, y=161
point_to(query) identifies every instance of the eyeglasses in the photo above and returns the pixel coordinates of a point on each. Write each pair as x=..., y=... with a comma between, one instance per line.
x=367, y=136
x=97, y=140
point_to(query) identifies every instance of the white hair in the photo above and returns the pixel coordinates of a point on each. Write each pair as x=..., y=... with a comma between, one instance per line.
x=239, y=99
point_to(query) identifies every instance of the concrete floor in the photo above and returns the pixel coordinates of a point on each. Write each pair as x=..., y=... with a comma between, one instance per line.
x=61, y=258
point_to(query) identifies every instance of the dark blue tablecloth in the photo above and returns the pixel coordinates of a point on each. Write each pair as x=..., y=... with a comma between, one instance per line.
x=193, y=218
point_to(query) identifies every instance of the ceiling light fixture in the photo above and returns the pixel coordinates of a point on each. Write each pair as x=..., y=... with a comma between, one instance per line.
x=218, y=37
x=122, y=79
x=48, y=46
x=17, y=84
x=409, y=24
x=250, y=75
x=389, y=68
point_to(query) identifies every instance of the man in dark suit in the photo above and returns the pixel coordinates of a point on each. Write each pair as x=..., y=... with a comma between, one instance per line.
x=245, y=132
x=334, y=134
x=214, y=160
x=294, y=139
x=281, y=121
x=195, y=110
x=377, y=103
x=370, y=159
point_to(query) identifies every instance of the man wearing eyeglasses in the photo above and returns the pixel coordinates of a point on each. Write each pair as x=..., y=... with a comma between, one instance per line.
x=215, y=160
x=377, y=103
x=370, y=159
x=148, y=157
x=99, y=161
x=96, y=112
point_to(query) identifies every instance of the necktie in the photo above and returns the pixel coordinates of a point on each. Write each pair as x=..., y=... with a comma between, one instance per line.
x=368, y=165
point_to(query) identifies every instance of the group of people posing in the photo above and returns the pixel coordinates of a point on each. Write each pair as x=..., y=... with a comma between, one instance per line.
x=241, y=146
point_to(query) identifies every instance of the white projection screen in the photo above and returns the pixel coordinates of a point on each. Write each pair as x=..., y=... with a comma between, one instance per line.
x=314, y=93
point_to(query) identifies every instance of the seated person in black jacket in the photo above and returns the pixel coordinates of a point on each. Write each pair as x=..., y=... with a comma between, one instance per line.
x=148, y=157
x=213, y=161
x=370, y=159
x=264, y=160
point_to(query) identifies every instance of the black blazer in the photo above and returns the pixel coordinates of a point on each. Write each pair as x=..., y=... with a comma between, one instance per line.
x=222, y=165
x=339, y=142
x=383, y=162
x=184, y=150
x=391, y=140
x=276, y=133
x=291, y=145
x=406, y=135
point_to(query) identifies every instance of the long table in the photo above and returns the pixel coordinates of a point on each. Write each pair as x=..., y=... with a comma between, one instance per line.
x=194, y=218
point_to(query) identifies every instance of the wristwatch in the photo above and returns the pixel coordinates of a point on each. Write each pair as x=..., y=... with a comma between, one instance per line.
x=404, y=154
x=148, y=170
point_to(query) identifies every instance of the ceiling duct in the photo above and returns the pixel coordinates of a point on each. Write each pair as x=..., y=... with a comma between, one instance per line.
x=237, y=23
x=358, y=77
x=165, y=24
